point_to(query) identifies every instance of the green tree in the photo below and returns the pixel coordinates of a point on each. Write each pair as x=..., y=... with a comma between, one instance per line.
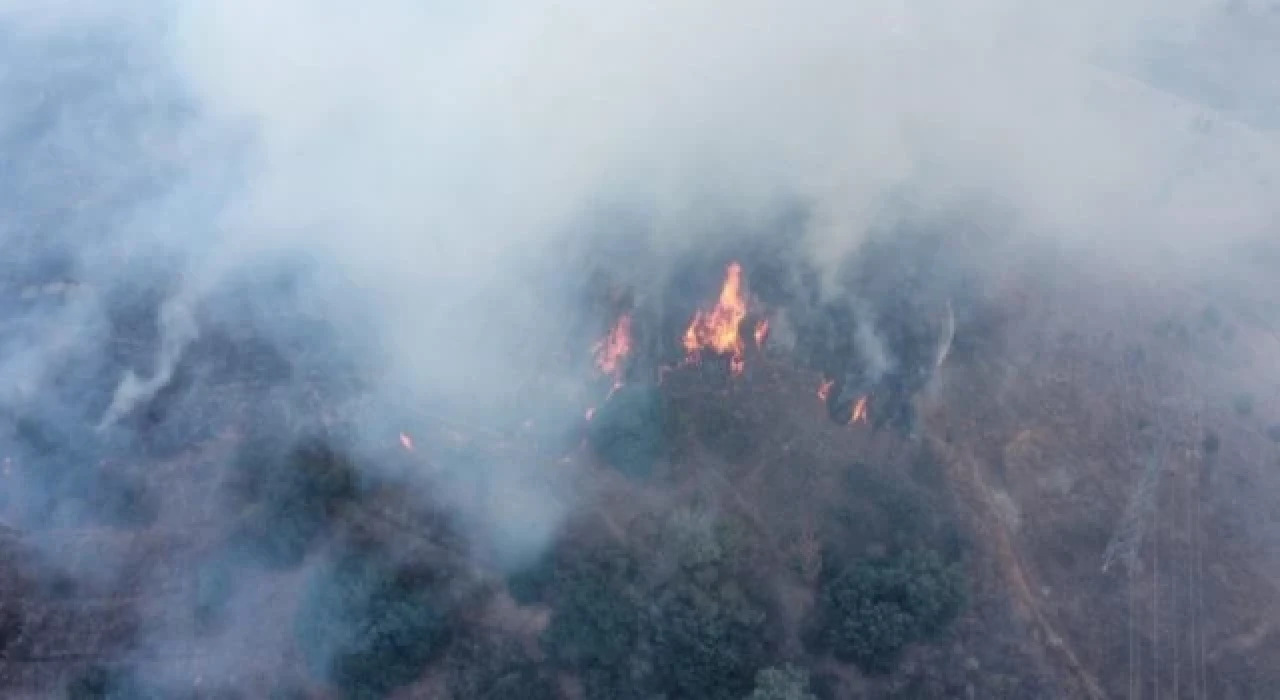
x=785, y=683
x=632, y=430
x=698, y=633
x=707, y=641
x=870, y=612
x=498, y=669
x=292, y=495
x=598, y=611
x=531, y=584
x=370, y=626
x=109, y=683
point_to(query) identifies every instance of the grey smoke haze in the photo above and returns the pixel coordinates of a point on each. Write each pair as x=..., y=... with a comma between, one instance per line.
x=436, y=157
x=177, y=330
x=871, y=347
x=430, y=153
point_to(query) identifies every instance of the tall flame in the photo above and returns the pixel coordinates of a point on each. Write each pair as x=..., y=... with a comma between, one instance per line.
x=610, y=356
x=719, y=329
x=824, y=389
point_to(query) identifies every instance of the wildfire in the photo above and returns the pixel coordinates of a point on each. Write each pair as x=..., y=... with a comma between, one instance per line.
x=859, y=411
x=762, y=332
x=824, y=389
x=611, y=351
x=719, y=329
x=406, y=442
x=611, y=354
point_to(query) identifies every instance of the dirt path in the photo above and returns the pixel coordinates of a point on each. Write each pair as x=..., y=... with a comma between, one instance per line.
x=967, y=475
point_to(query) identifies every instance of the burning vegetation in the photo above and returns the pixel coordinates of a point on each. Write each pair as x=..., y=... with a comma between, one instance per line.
x=719, y=330
x=727, y=330
x=716, y=483
x=759, y=514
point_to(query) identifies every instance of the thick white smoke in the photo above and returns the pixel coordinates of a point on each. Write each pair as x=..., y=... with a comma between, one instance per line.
x=434, y=151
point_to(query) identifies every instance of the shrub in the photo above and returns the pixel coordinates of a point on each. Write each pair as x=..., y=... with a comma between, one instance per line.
x=520, y=682
x=73, y=484
x=720, y=428
x=369, y=626
x=1211, y=317
x=870, y=612
x=632, y=430
x=292, y=497
x=498, y=670
x=530, y=584
x=215, y=586
x=121, y=501
x=287, y=690
x=109, y=683
x=697, y=539
x=1243, y=405
x=1211, y=443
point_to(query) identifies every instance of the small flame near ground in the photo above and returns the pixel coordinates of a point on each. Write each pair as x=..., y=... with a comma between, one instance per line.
x=859, y=411
x=720, y=328
x=761, y=332
x=406, y=442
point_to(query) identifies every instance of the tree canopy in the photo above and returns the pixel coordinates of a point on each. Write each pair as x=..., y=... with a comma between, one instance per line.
x=369, y=626
x=869, y=612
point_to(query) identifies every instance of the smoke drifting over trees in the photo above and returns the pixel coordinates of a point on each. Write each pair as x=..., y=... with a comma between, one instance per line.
x=285, y=278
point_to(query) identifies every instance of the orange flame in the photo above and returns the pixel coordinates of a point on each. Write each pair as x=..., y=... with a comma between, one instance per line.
x=824, y=389
x=762, y=332
x=406, y=442
x=859, y=411
x=611, y=354
x=612, y=350
x=719, y=329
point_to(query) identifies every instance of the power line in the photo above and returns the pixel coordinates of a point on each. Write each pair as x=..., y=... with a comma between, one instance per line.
x=1155, y=589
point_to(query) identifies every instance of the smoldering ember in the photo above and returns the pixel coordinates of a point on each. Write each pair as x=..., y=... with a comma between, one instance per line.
x=923, y=441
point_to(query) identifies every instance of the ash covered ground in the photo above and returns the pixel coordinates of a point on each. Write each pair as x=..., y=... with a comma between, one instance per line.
x=290, y=410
